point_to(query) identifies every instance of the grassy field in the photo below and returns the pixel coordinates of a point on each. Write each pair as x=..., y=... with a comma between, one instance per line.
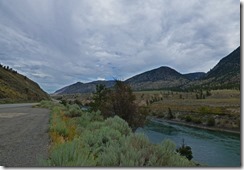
x=221, y=105
x=185, y=101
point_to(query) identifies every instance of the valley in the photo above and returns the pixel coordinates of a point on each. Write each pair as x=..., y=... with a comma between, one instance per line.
x=221, y=107
x=200, y=99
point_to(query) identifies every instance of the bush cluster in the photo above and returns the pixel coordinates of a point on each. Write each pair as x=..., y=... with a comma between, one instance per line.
x=111, y=142
x=88, y=140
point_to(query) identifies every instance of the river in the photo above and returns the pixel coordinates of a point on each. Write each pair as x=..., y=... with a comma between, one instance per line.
x=211, y=148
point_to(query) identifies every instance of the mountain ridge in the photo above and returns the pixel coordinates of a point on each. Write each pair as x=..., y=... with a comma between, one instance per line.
x=225, y=74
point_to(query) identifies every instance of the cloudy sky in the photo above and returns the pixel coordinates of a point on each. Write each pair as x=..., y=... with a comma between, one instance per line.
x=60, y=42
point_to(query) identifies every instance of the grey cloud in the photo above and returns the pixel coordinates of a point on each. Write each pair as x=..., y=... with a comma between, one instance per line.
x=59, y=42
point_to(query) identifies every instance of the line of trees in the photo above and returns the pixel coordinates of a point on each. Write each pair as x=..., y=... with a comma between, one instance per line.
x=8, y=68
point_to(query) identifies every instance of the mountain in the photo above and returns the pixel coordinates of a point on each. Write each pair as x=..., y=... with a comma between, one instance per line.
x=70, y=89
x=160, y=78
x=226, y=74
x=83, y=87
x=227, y=71
x=15, y=87
x=195, y=76
x=227, y=67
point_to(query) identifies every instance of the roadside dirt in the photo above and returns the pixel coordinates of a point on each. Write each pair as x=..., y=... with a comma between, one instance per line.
x=23, y=136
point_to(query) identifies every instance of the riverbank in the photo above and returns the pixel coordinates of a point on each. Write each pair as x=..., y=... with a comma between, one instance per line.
x=193, y=125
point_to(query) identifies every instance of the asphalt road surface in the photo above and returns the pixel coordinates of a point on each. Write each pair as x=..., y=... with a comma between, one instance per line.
x=23, y=135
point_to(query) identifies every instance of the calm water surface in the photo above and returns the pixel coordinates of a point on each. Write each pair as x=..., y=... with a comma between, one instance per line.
x=211, y=148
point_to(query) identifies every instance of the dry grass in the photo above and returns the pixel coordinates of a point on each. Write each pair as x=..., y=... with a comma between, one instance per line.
x=220, y=101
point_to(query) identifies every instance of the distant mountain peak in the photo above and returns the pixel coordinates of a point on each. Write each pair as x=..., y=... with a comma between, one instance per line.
x=159, y=78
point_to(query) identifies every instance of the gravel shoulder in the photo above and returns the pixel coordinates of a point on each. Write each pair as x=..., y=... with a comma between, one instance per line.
x=24, y=136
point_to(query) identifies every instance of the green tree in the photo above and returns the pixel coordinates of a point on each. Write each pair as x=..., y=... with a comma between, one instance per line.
x=101, y=100
x=208, y=93
x=119, y=101
x=123, y=102
x=170, y=114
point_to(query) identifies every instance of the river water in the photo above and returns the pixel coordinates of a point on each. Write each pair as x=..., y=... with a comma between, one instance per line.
x=210, y=148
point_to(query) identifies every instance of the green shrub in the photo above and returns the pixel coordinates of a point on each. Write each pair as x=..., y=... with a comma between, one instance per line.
x=70, y=154
x=188, y=118
x=211, y=121
x=118, y=124
x=46, y=104
x=59, y=126
x=196, y=120
x=63, y=102
x=88, y=117
x=185, y=150
x=73, y=111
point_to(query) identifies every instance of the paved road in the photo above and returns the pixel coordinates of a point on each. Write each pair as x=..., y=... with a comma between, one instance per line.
x=23, y=135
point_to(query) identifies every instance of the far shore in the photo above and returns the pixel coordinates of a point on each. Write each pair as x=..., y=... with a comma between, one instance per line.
x=193, y=125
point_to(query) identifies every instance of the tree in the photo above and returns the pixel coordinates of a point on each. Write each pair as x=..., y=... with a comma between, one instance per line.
x=119, y=101
x=123, y=102
x=101, y=101
x=170, y=114
x=208, y=93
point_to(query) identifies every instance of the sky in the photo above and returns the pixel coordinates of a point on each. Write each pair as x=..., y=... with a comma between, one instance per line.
x=60, y=42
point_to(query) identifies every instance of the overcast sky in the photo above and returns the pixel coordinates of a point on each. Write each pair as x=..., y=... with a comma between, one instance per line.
x=59, y=42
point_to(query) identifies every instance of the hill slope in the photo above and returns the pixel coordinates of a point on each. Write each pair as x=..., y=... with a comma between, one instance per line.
x=160, y=78
x=15, y=87
x=83, y=87
x=227, y=68
x=226, y=74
